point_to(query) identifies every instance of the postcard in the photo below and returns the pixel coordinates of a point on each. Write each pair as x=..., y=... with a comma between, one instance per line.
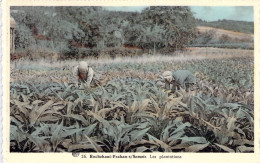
x=113, y=81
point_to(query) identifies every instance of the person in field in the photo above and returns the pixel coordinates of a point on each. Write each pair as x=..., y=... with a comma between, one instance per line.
x=179, y=78
x=84, y=73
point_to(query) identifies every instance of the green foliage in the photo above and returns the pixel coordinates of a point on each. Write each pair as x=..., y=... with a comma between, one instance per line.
x=68, y=29
x=24, y=37
x=173, y=26
x=129, y=110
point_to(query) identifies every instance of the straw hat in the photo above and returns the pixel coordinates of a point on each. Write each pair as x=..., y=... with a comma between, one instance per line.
x=167, y=74
x=83, y=66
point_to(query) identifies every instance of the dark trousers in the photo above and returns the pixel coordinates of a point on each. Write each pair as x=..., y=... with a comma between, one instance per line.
x=176, y=86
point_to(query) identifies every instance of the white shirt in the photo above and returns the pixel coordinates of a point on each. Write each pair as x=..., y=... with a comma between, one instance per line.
x=87, y=78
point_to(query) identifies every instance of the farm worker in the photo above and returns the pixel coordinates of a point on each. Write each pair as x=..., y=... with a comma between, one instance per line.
x=84, y=73
x=183, y=78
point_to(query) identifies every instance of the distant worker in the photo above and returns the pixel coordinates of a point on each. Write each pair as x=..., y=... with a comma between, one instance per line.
x=84, y=73
x=183, y=78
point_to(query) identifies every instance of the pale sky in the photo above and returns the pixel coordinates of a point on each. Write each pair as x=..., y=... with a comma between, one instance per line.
x=208, y=13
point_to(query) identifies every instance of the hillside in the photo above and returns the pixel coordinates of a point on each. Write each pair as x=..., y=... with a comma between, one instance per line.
x=218, y=33
x=222, y=38
x=232, y=25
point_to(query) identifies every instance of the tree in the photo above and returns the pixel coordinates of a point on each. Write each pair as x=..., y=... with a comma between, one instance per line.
x=208, y=35
x=224, y=38
x=177, y=22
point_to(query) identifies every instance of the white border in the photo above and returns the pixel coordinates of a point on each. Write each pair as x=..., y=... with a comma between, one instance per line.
x=67, y=157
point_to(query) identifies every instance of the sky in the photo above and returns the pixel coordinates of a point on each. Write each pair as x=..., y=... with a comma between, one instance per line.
x=208, y=13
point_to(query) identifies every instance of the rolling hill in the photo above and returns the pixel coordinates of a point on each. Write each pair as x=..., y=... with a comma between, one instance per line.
x=244, y=37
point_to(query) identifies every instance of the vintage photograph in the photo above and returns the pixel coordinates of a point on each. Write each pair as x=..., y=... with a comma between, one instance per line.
x=132, y=79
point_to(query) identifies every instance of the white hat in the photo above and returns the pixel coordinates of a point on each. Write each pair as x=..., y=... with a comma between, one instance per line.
x=83, y=66
x=167, y=74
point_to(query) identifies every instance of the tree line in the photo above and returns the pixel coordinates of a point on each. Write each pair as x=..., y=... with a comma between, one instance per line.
x=67, y=30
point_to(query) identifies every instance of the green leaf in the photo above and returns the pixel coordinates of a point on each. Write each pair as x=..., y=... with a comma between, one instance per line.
x=36, y=113
x=200, y=140
x=231, y=123
x=56, y=137
x=244, y=149
x=38, y=141
x=77, y=117
x=182, y=127
x=138, y=134
x=165, y=133
x=95, y=145
x=70, y=132
x=37, y=102
x=161, y=143
x=142, y=149
x=197, y=147
x=88, y=130
x=175, y=136
x=80, y=147
x=225, y=148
